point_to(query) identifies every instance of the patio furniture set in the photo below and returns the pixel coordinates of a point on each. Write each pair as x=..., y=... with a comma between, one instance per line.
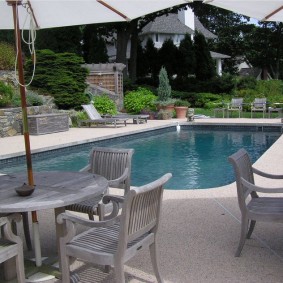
x=258, y=105
x=128, y=224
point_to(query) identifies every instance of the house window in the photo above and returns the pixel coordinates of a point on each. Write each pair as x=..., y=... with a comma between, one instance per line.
x=156, y=37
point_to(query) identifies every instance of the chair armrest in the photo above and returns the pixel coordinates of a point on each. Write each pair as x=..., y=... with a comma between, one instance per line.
x=266, y=175
x=251, y=187
x=85, y=169
x=61, y=218
x=113, y=198
x=118, y=181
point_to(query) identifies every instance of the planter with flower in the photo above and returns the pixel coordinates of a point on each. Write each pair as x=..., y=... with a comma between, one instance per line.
x=181, y=108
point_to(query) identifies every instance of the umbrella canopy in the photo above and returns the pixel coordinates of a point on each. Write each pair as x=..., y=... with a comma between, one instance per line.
x=263, y=10
x=52, y=13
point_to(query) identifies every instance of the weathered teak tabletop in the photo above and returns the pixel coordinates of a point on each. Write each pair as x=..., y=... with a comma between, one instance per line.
x=53, y=190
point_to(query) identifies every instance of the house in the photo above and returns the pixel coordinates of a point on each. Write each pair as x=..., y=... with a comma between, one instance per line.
x=173, y=26
x=246, y=69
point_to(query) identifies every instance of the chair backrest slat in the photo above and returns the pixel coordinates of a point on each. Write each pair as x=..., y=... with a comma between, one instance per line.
x=236, y=102
x=111, y=163
x=141, y=210
x=259, y=103
x=91, y=112
x=243, y=168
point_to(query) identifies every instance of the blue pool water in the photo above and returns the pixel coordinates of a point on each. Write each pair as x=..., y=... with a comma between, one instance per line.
x=196, y=158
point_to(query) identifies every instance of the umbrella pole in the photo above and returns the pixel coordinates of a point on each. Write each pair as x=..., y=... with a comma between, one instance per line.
x=14, y=4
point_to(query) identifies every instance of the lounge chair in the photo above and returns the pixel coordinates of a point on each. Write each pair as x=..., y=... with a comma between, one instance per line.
x=95, y=117
x=235, y=105
x=115, y=241
x=137, y=119
x=252, y=206
x=258, y=105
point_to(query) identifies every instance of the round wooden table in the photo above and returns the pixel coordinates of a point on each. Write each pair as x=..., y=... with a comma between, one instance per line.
x=54, y=189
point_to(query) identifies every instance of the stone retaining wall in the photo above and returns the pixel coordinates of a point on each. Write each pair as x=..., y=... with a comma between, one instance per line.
x=11, y=118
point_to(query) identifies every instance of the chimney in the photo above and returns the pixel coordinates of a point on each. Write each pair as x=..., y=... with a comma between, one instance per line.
x=187, y=17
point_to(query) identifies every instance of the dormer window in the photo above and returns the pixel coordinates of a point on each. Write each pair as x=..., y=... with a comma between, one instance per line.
x=156, y=37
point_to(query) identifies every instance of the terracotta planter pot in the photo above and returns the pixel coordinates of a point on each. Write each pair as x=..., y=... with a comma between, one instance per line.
x=169, y=108
x=181, y=111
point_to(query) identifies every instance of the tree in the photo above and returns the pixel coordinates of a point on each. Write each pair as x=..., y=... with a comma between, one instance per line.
x=63, y=39
x=267, y=50
x=167, y=56
x=186, y=57
x=230, y=29
x=205, y=68
x=164, y=88
x=150, y=59
x=94, y=46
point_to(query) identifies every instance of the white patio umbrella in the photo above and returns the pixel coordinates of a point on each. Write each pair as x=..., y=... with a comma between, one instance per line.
x=262, y=10
x=18, y=14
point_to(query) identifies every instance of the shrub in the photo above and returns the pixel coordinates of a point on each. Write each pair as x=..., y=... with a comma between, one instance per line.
x=61, y=75
x=7, y=56
x=6, y=94
x=32, y=99
x=136, y=101
x=67, y=101
x=204, y=98
x=180, y=102
x=105, y=105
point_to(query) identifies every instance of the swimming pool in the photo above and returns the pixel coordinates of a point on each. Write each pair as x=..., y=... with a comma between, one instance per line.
x=197, y=157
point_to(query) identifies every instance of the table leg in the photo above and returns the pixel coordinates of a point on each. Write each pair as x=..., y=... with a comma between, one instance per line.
x=37, y=247
x=60, y=230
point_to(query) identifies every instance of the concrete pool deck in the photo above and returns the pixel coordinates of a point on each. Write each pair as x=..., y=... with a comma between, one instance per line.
x=199, y=229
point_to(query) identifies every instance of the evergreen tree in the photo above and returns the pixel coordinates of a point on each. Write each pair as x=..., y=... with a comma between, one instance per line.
x=151, y=59
x=94, y=46
x=142, y=66
x=164, y=88
x=167, y=56
x=186, y=57
x=205, y=68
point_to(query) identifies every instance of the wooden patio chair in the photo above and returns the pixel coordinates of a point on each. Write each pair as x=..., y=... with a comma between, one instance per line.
x=115, y=241
x=115, y=165
x=252, y=206
x=235, y=105
x=11, y=246
x=258, y=105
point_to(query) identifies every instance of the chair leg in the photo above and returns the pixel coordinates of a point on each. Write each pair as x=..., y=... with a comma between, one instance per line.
x=252, y=226
x=65, y=267
x=154, y=261
x=20, y=265
x=90, y=216
x=119, y=271
x=244, y=229
x=26, y=230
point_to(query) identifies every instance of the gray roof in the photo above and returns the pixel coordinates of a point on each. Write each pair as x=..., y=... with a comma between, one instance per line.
x=170, y=24
x=216, y=55
x=200, y=28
